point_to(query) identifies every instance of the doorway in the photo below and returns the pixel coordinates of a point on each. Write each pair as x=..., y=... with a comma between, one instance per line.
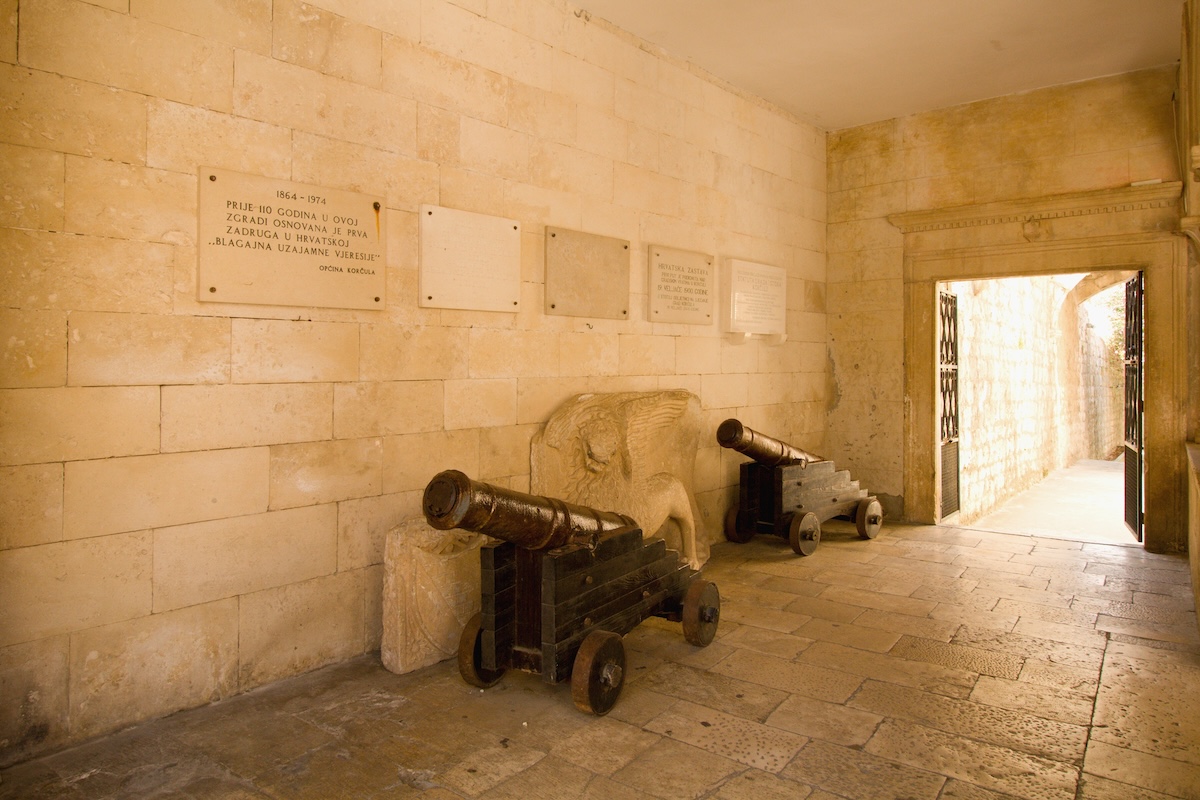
x=1112, y=230
x=1035, y=400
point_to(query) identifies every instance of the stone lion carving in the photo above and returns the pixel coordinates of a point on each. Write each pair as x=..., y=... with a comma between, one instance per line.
x=630, y=452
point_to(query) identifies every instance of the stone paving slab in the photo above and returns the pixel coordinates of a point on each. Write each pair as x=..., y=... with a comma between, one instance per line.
x=765, y=747
x=1013, y=729
x=987, y=765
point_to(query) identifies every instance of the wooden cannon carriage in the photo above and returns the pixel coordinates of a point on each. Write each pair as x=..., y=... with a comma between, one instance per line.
x=788, y=492
x=562, y=586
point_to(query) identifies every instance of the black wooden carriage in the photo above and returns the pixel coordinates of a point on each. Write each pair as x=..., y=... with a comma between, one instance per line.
x=787, y=492
x=562, y=587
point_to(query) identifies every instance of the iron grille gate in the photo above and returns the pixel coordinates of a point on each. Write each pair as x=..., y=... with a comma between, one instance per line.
x=948, y=379
x=1134, y=446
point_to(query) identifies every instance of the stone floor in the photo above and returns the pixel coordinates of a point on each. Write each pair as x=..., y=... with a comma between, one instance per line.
x=927, y=663
x=1083, y=501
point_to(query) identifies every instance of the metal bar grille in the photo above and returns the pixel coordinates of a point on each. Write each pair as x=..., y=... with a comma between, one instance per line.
x=1134, y=448
x=948, y=385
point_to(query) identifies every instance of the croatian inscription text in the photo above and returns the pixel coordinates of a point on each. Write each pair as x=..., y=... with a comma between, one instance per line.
x=279, y=242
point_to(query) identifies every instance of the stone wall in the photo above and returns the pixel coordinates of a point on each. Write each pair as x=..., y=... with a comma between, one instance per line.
x=194, y=497
x=1091, y=135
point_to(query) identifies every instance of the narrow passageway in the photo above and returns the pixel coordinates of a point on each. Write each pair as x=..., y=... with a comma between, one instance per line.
x=1082, y=502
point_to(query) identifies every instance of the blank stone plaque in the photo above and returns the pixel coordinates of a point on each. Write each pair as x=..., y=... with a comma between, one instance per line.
x=468, y=260
x=275, y=242
x=682, y=286
x=757, y=298
x=586, y=275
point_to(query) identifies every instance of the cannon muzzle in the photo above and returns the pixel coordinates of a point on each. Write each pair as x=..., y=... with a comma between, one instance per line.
x=452, y=500
x=762, y=448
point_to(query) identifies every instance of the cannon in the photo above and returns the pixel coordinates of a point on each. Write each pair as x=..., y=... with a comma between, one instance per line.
x=561, y=584
x=789, y=492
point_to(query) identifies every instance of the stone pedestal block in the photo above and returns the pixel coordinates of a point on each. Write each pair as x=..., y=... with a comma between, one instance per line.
x=430, y=590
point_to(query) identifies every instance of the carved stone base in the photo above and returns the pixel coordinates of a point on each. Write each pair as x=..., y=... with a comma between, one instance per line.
x=430, y=590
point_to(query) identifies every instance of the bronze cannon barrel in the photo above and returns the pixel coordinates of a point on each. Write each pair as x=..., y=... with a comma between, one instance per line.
x=452, y=500
x=762, y=448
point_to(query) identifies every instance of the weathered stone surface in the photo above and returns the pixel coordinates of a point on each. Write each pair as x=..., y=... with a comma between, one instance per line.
x=628, y=452
x=125, y=494
x=845, y=771
x=309, y=473
x=287, y=351
x=296, y=627
x=1137, y=707
x=671, y=769
x=733, y=696
x=971, y=659
x=987, y=765
x=1165, y=775
x=808, y=680
x=31, y=505
x=153, y=665
x=62, y=587
x=34, y=715
x=1012, y=729
x=949, y=680
x=1050, y=702
x=207, y=561
x=430, y=590
x=829, y=722
x=605, y=746
x=751, y=743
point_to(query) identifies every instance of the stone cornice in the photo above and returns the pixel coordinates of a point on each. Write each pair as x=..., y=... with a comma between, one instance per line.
x=1103, y=201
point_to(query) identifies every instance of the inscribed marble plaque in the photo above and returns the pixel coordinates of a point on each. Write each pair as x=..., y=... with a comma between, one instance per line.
x=281, y=243
x=682, y=286
x=756, y=298
x=468, y=260
x=586, y=275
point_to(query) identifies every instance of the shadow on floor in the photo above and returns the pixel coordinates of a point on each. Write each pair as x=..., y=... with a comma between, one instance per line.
x=1084, y=502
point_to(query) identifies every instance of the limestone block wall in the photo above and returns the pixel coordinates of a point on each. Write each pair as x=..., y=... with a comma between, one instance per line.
x=194, y=497
x=1090, y=135
x=1008, y=389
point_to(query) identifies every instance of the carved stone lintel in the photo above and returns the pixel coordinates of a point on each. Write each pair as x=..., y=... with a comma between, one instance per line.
x=1076, y=204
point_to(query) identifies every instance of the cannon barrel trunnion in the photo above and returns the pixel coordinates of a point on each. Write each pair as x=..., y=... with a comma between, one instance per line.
x=561, y=587
x=789, y=492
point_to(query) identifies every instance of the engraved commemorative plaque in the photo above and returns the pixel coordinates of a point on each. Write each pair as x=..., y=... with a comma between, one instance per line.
x=281, y=243
x=756, y=298
x=681, y=286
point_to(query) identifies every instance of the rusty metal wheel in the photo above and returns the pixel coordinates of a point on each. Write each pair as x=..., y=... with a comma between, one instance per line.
x=470, y=656
x=804, y=533
x=598, y=672
x=869, y=518
x=701, y=612
x=737, y=528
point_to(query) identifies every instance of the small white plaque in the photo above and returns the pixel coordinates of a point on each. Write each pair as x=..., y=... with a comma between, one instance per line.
x=757, y=298
x=682, y=286
x=468, y=260
x=281, y=243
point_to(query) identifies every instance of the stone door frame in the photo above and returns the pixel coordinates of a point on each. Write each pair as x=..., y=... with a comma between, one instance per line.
x=1127, y=229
